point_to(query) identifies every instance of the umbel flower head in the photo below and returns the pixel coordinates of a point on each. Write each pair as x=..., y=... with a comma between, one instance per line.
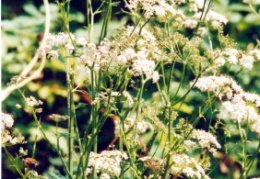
x=107, y=163
x=8, y=137
x=205, y=140
x=237, y=104
x=190, y=167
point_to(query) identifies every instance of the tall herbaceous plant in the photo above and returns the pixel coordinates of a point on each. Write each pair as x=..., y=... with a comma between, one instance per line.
x=163, y=85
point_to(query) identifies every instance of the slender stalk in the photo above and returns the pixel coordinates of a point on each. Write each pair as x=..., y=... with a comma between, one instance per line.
x=71, y=108
x=12, y=159
x=182, y=79
x=46, y=138
x=254, y=10
x=250, y=163
x=35, y=142
x=244, y=147
x=138, y=110
x=163, y=76
x=170, y=77
x=90, y=15
x=189, y=90
x=107, y=17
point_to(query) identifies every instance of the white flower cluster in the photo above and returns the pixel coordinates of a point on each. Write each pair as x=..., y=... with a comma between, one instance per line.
x=7, y=122
x=107, y=164
x=237, y=109
x=146, y=42
x=163, y=10
x=56, y=41
x=190, y=167
x=141, y=126
x=34, y=174
x=140, y=65
x=97, y=57
x=113, y=97
x=255, y=53
x=206, y=140
x=234, y=56
x=190, y=23
x=214, y=18
x=195, y=5
x=160, y=8
x=32, y=102
x=107, y=56
x=238, y=105
x=222, y=86
x=129, y=98
x=58, y=117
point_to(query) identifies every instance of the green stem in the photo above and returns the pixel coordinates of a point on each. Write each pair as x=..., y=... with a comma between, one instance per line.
x=250, y=163
x=106, y=21
x=71, y=114
x=170, y=77
x=90, y=19
x=35, y=142
x=163, y=76
x=140, y=98
x=46, y=138
x=244, y=142
x=182, y=79
x=254, y=10
x=189, y=90
x=12, y=159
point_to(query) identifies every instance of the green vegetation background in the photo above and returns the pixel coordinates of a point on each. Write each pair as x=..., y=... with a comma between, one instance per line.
x=22, y=26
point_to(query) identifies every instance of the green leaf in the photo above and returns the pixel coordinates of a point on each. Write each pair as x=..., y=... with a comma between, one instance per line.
x=31, y=10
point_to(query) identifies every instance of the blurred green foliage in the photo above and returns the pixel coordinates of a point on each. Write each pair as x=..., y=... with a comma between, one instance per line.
x=22, y=27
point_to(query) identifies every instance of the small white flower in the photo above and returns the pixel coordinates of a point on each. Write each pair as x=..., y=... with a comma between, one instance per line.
x=221, y=86
x=121, y=60
x=142, y=127
x=189, y=145
x=190, y=23
x=6, y=120
x=104, y=176
x=247, y=61
x=202, y=31
x=53, y=54
x=23, y=152
x=255, y=53
x=255, y=127
x=129, y=98
x=206, y=140
x=70, y=48
x=81, y=41
x=189, y=166
x=155, y=77
x=106, y=163
x=238, y=110
x=32, y=102
x=214, y=18
x=220, y=61
x=195, y=5
x=143, y=67
x=231, y=55
x=252, y=98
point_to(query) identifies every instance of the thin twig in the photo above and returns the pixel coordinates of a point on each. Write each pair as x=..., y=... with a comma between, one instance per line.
x=6, y=92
